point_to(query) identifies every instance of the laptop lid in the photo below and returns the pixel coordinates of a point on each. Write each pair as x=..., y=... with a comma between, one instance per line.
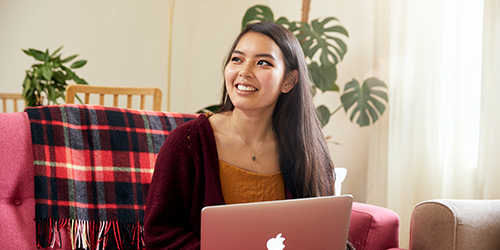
x=310, y=223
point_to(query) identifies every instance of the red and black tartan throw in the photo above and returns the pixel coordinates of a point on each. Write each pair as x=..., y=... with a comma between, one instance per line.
x=93, y=166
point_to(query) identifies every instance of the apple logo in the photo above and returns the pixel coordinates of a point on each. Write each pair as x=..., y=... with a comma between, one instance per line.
x=276, y=243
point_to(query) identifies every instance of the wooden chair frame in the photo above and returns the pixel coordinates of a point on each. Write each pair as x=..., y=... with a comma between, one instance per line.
x=7, y=96
x=71, y=91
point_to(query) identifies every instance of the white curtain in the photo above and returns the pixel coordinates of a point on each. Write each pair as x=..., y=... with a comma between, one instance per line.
x=488, y=181
x=441, y=139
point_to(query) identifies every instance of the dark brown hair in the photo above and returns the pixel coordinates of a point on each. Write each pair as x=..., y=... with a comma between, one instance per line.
x=304, y=158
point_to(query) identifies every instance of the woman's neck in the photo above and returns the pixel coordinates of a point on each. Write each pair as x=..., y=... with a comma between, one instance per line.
x=254, y=128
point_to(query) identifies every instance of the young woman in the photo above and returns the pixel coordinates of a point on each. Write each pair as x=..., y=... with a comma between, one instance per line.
x=264, y=144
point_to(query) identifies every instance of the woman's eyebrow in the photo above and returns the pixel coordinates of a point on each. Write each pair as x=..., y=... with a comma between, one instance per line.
x=238, y=52
x=258, y=55
x=266, y=55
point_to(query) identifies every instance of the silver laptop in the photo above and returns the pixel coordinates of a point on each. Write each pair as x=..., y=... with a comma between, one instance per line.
x=310, y=223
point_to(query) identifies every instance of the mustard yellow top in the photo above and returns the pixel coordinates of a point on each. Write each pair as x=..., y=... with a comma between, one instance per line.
x=242, y=186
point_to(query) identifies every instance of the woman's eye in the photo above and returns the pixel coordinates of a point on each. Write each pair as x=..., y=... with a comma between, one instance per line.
x=235, y=59
x=264, y=63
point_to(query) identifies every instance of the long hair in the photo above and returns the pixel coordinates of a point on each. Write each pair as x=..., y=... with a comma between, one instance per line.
x=304, y=159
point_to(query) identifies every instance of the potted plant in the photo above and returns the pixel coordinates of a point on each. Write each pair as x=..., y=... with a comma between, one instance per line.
x=48, y=77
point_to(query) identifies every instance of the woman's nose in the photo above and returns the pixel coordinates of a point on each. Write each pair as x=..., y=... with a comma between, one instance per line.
x=245, y=72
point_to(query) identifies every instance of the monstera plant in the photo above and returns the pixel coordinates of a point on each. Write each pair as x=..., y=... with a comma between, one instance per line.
x=322, y=43
x=48, y=77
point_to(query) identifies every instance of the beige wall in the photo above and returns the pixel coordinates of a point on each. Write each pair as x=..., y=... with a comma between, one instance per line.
x=125, y=43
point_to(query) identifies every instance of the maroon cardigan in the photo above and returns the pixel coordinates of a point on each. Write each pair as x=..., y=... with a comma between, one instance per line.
x=186, y=179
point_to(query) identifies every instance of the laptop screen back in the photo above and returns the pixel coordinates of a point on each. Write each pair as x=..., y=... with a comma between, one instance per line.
x=311, y=223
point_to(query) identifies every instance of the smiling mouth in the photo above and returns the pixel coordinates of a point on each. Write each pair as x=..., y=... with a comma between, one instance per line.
x=245, y=88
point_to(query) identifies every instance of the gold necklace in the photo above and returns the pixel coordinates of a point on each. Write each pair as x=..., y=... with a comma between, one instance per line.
x=253, y=154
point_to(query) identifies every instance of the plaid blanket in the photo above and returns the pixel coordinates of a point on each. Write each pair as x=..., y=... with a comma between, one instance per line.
x=93, y=166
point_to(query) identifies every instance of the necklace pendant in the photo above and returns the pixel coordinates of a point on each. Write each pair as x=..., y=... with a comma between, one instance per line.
x=253, y=157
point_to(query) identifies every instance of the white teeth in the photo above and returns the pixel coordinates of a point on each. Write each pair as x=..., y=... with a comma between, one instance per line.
x=246, y=88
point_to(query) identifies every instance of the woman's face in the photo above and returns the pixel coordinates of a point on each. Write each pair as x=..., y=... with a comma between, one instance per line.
x=255, y=74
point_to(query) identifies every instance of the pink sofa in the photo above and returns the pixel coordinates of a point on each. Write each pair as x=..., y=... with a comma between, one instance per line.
x=371, y=227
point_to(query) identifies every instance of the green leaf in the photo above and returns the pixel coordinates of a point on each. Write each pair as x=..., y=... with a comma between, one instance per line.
x=56, y=64
x=55, y=52
x=75, y=78
x=59, y=77
x=257, y=13
x=52, y=95
x=306, y=45
x=26, y=84
x=37, y=71
x=29, y=93
x=37, y=66
x=365, y=100
x=324, y=76
x=373, y=83
x=30, y=99
x=80, y=81
x=38, y=85
x=47, y=71
x=27, y=52
x=342, y=49
x=55, y=61
x=319, y=37
x=78, y=64
x=60, y=86
x=38, y=55
x=70, y=75
x=68, y=59
x=47, y=57
x=291, y=26
x=323, y=114
x=338, y=29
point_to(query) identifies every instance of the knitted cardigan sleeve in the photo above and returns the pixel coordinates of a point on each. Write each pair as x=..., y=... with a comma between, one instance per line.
x=184, y=181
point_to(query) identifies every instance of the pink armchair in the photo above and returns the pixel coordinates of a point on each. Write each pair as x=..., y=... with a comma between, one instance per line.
x=372, y=227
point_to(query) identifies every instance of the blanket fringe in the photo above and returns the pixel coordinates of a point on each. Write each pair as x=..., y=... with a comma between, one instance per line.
x=89, y=235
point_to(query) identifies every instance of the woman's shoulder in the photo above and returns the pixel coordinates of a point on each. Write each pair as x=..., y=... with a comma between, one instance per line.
x=217, y=120
x=197, y=125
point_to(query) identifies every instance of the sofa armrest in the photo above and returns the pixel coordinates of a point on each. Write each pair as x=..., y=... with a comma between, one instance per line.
x=455, y=225
x=17, y=196
x=373, y=227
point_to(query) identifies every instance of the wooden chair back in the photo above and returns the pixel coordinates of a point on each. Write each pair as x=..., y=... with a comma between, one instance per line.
x=72, y=90
x=8, y=96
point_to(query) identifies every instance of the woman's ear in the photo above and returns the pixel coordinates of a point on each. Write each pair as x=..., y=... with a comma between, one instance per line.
x=291, y=79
